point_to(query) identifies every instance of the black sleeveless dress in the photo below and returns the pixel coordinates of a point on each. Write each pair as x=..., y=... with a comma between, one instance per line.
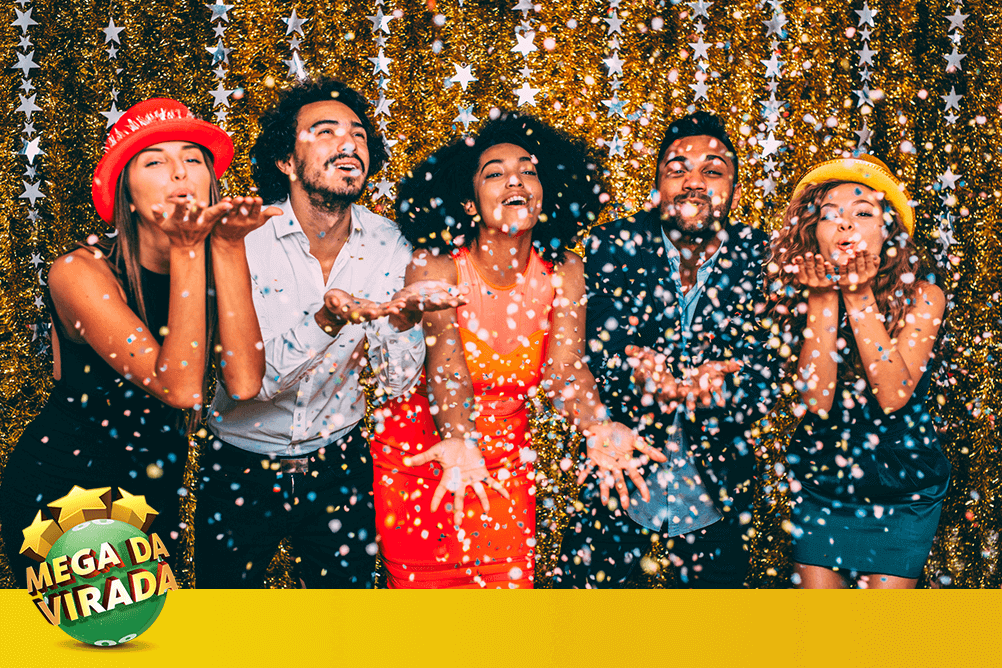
x=871, y=485
x=98, y=430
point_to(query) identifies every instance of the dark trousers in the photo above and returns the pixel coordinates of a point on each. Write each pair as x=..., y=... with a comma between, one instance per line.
x=602, y=548
x=247, y=503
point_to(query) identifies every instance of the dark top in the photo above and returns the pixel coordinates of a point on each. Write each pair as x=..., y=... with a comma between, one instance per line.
x=91, y=392
x=860, y=454
x=632, y=300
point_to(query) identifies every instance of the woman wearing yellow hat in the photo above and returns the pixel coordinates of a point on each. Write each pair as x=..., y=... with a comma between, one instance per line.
x=861, y=313
x=133, y=324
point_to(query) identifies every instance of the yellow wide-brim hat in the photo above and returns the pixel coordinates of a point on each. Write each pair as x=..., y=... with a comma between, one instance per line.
x=868, y=171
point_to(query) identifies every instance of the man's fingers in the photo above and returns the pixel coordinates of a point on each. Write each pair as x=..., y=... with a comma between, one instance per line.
x=586, y=471
x=638, y=480
x=653, y=453
x=499, y=488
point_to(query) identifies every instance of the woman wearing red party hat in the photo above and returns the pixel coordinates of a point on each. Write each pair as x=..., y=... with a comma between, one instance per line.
x=134, y=319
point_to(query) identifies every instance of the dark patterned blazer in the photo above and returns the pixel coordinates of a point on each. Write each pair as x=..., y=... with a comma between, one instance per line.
x=632, y=300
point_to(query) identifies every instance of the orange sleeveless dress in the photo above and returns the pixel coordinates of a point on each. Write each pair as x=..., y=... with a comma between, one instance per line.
x=504, y=333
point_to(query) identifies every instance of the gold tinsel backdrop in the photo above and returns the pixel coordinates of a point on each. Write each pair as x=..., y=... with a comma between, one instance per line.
x=917, y=83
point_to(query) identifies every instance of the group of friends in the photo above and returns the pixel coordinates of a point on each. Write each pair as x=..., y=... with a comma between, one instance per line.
x=664, y=345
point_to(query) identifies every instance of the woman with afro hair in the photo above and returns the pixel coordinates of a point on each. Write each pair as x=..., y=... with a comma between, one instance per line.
x=494, y=215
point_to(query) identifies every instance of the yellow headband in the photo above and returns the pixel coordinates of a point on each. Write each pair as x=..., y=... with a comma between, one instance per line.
x=870, y=172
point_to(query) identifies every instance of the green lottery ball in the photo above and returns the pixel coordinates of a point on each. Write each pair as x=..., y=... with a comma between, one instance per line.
x=124, y=621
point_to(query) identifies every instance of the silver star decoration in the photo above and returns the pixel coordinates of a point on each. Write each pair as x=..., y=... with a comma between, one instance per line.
x=219, y=11
x=380, y=63
x=866, y=14
x=295, y=42
x=946, y=233
x=770, y=145
x=866, y=55
x=526, y=94
x=524, y=6
x=220, y=71
x=768, y=185
x=948, y=179
x=38, y=302
x=863, y=95
x=32, y=191
x=525, y=71
x=951, y=118
x=699, y=28
x=775, y=25
x=221, y=115
x=701, y=90
x=953, y=60
x=295, y=23
x=864, y=34
x=111, y=32
x=381, y=21
x=465, y=116
x=699, y=49
x=24, y=42
x=523, y=26
x=220, y=96
x=957, y=20
x=771, y=107
x=614, y=63
x=615, y=106
x=25, y=62
x=220, y=54
x=218, y=30
x=864, y=134
x=112, y=52
x=24, y=20
x=615, y=23
x=36, y=259
x=464, y=75
x=952, y=99
x=112, y=115
x=383, y=106
x=772, y=66
x=699, y=8
x=383, y=189
x=865, y=74
x=32, y=150
x=28, y=106
x=617, y=146
x=296, y=67
x=615, y=84
x=525, y=45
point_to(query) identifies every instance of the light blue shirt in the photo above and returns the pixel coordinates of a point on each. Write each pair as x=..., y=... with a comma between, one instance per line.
x=679, y=503
x=310, y=394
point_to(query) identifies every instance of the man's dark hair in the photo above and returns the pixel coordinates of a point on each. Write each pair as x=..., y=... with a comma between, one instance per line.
x=696, y=124
x=277, y=140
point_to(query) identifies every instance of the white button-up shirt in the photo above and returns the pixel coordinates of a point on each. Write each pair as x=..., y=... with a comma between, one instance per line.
x=310, y=395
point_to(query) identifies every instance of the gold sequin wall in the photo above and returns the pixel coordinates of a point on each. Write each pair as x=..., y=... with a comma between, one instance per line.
x=915, y=83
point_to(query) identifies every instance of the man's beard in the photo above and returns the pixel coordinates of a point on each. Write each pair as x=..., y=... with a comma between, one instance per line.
x=333, y=200
x=707, y=223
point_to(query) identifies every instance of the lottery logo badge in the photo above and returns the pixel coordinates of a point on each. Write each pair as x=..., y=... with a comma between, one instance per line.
x=100, y=578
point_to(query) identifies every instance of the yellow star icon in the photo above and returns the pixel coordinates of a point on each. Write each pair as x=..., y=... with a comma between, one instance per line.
x=133, y=510
x=39, y=537
x=81, y=505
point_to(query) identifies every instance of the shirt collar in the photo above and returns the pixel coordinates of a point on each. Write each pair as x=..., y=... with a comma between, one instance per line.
x=286, y=223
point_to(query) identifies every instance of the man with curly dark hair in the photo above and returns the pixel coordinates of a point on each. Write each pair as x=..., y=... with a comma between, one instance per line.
x=673, y=299
x=328, y=279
